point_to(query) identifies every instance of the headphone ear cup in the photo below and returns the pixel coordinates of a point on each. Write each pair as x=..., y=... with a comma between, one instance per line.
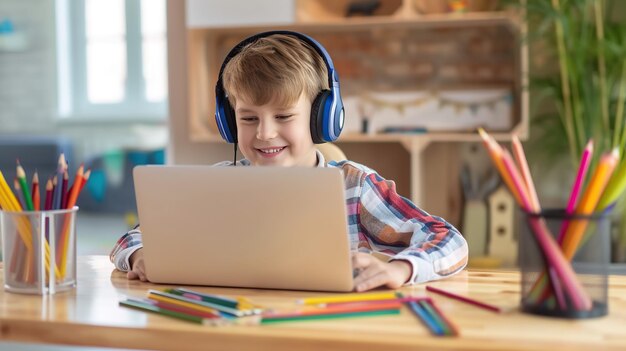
x=229, y=115
x=225, y=118
x=319, y=120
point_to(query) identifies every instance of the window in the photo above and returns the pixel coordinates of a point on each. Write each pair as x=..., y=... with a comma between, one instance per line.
x=111, y=57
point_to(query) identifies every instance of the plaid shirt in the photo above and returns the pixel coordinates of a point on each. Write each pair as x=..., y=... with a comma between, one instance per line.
x=379, y=221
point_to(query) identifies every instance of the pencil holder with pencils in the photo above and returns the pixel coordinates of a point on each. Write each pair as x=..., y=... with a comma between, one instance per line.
x=564, y=255
x=39, y=232
x=39, y=249
x=582, y=294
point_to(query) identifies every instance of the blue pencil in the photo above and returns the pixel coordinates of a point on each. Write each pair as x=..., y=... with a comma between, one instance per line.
x=425, y=318
x=428, y=307
x=58, y=191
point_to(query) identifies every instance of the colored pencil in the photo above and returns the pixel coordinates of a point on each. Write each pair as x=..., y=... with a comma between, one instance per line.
x=48, y=198
x=589, y=201
x=19, y=194
x=181, y=309
x=231, y=311
x=142, y=305
x=311, y=311
x=276, y=319
x=55, y=185
x=465, y=299
x=554, y=257
x=427, y=305
x=451, y=326
x=35, y=192
x=21, y=178
x=85, y=179
x=428, y=321
x=361, y=303
x=64, y=239
x=64, y=191
x=520, y=157
x=184, y=304
x=583, y=167
x=495, y=153
x=9, y=202
x=61, y=168
x=220, y=300
x=615, y=188
x=348, y=298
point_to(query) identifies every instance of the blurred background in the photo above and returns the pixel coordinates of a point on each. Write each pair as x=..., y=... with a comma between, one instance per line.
x=113, y=84
x=119, y=83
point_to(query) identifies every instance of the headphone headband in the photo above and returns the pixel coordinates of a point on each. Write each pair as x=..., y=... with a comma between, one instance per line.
x=327, y=114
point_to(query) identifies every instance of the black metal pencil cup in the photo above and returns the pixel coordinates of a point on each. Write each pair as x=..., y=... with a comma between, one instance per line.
x=542, y=291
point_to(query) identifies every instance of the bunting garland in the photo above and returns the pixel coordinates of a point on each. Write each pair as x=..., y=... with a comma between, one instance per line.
x=442, y=102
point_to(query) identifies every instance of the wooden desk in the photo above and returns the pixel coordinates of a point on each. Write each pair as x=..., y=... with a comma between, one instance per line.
x=90, y=315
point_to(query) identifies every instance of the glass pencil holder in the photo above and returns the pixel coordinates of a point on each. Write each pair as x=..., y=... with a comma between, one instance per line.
x=575, y=286
x=39, y=250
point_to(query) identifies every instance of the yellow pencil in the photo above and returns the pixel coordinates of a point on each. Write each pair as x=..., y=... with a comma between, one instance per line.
x=615, y=188
x=9, y=202
x=348, y=298
x=589, y=201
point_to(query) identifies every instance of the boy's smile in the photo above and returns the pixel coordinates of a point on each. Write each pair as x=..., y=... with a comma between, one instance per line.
x=272, y=135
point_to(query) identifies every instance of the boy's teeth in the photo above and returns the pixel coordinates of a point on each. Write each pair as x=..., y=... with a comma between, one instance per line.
x=271, y=151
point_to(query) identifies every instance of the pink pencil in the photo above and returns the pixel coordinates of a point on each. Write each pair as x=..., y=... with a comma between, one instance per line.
x=585, y=160
x=464, y=299
x=553, y=253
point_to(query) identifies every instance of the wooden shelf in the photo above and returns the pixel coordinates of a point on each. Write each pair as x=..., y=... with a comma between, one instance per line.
x=207, y=46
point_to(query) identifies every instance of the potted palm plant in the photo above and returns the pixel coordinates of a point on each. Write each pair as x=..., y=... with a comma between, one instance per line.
x=578, y=83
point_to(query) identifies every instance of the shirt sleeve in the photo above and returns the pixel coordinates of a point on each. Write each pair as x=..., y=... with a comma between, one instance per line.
x=394, y=225
x=125, y=246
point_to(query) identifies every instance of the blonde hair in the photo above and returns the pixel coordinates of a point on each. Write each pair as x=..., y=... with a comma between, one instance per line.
x=277, y=69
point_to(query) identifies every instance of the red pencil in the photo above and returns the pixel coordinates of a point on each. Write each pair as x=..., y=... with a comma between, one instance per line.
x=48, y=200
x=35, y=192
x=464, y=299
x=64, y=192
x=85, y=179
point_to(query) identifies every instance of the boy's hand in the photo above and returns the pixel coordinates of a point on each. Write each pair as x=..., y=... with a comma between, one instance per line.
x=374, y=272
x=138, y=269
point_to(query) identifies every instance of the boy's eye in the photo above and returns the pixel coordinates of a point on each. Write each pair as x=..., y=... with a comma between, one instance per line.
x=283, y=117
x=249, y=119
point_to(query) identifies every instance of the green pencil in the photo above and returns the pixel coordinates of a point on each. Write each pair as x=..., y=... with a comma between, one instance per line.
x=269, y=320
x=21, y=178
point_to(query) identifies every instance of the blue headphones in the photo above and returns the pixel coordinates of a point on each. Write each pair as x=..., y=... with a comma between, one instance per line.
x=327, y=114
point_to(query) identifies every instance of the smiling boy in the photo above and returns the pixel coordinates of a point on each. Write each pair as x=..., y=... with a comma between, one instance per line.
x=274, y=84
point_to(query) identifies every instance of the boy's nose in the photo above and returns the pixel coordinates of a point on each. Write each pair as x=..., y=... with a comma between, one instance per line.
x=266, y=131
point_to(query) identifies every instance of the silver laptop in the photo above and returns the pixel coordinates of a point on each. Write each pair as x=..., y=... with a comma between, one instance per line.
x=254, y=227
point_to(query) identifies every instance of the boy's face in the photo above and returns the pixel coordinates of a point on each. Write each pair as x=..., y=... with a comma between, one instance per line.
x=272, y=135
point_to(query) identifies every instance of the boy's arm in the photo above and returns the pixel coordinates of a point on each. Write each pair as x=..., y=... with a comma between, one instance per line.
x=124, y=248
x=393, y=224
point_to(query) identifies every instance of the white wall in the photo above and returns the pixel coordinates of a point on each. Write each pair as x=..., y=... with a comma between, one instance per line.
x=28, y=90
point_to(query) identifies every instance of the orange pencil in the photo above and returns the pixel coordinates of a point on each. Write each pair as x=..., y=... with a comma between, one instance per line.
x=35, y=192
x=589, y=201
x=71, y=201
x=495, y=152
